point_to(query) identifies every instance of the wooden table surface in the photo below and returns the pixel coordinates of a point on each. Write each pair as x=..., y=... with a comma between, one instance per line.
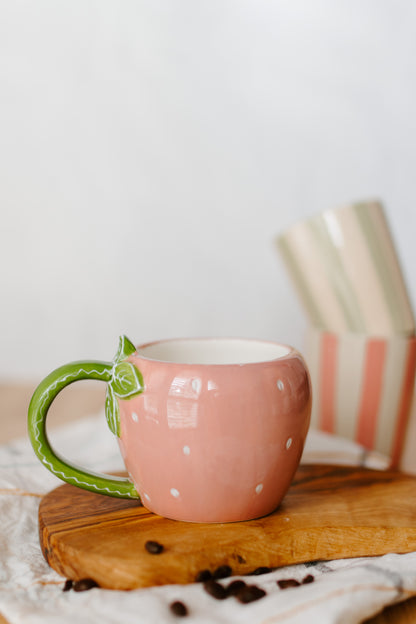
x=87, y=398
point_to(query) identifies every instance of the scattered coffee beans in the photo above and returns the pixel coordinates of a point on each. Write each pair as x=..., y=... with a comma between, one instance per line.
x=235, y=587
x=216, y=590
x=222, y=572
x=261, y=570
x=178, y=608
x=68, y=585
x=285, y=583
x=154, y=548
x=202, y=576
x=250, y=593
x=238, y=588
x=84, y=584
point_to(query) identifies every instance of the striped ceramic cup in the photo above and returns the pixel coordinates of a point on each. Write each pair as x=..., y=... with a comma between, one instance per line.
x=344, y=266
x=362, y=387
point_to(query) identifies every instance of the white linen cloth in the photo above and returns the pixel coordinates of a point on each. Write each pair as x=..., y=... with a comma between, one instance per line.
x=344, y=591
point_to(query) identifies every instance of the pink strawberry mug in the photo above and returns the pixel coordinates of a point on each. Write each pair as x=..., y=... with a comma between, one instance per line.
x=210, y=430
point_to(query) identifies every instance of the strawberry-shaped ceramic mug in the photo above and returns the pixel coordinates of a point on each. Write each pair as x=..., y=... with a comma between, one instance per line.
x=210, y=430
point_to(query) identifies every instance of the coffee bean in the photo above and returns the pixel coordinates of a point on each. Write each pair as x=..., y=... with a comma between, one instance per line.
x=285, y=583
x=216, y=590
x=178, y=608
x=84, y=584
x=250, y=593
x=222, y=572
x=308, y=579
x=235, y=587
x=203, y=575
x=68, y=585
x=261, y=570
x=154, y=548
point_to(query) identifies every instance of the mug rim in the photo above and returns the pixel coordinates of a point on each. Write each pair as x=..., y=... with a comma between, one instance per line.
x=284, y=351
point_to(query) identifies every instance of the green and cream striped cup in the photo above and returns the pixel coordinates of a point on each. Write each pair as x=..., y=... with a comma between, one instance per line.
x=345, y=269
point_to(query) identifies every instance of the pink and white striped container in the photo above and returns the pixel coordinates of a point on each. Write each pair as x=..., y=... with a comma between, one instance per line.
x=362, y=387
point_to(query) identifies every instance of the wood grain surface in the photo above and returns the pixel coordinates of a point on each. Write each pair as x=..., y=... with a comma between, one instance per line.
x=330, y=512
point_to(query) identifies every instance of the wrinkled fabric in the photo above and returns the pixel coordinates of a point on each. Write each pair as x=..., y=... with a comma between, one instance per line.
x=343, y=592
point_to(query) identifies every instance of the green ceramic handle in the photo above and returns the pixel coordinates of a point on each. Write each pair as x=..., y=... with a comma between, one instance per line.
x=123, y=379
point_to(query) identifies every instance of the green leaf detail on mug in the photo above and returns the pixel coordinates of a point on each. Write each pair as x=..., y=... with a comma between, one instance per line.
x=125, y=348
x=126, y=382
x=112, y=412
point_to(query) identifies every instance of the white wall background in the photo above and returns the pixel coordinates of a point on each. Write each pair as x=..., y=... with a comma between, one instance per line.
x=151, y=150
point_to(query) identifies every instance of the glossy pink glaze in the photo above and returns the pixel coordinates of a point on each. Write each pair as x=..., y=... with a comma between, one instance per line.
x=216, y=442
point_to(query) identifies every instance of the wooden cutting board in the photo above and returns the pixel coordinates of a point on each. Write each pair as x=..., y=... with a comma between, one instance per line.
x=330, y=512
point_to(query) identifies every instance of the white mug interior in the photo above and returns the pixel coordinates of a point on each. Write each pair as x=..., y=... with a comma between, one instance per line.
x=213, y=351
